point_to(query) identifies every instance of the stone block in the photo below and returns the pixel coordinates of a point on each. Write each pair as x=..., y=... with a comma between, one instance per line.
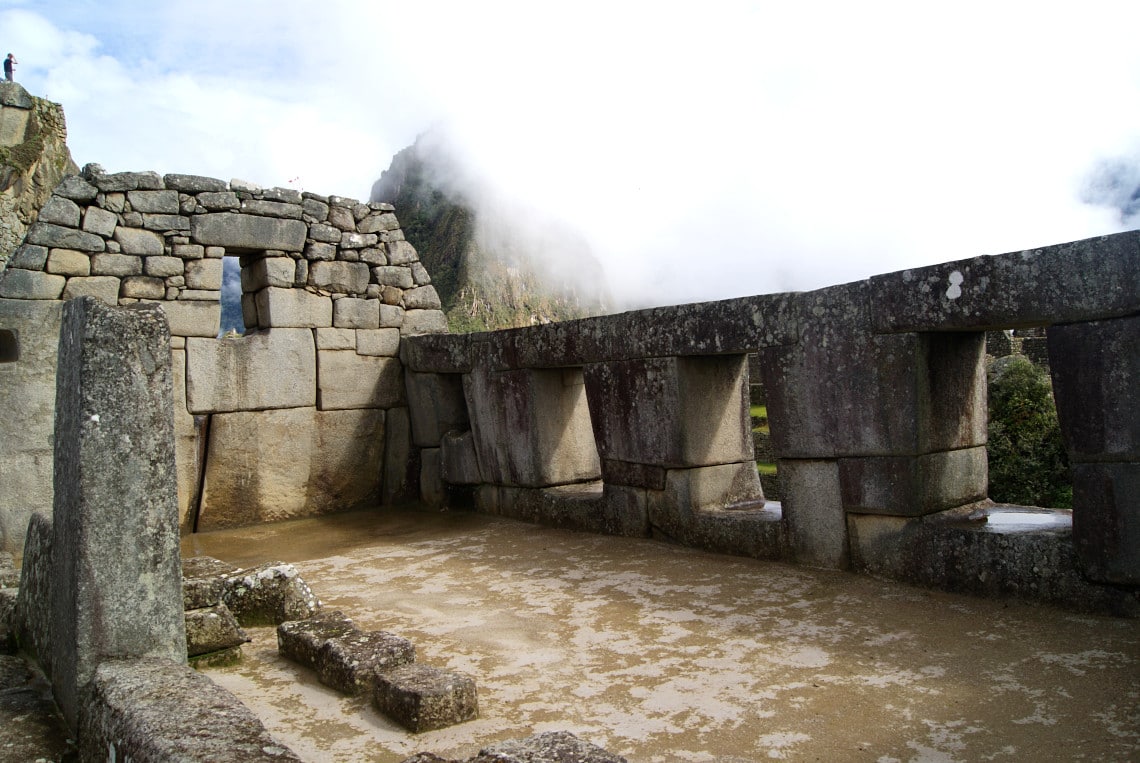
x=204, y=274
x=115, y=515
x=271, y=209
x=127, y=181
x=105, y=288
x=423, y=322
x=401, y=253
x=199, y=319
x=212, y=629
x=160, y=202
x=421, y=298
x=240, y=231
x=348, y=380
x=301, y=640
x=119, y=265
x=423, y=698
x=215, y=200
x=342, y=218
x=59, y=237
x=352, y=313
x=531, y=426
x=317, y=210
x=268, y=271
x=357, y=240
x=33, y=603
x=139, y=241
x=68, y=262
x=548, y=746
x=379, y=342
x=335, y=339
x=393, y=275
x=284, y=308
x=391, y=316
x=60, y=211
x=1106, y=521
x=204, y=581
x=198, y=295
x=194, y=183
x=432, y=490
x=813, y=511
x=163, y=267
x=913, y=485
x=272, y=465
x=155, y=709
x=401, y=466
x=100, y=221
x=143, y=287
x=458, y=463
x=165, y=222
x=258, y=371
x=76, y=188
x=270, y=594
x=29, y=257
x=30, y=284
x=437, y=406
x=352, y=662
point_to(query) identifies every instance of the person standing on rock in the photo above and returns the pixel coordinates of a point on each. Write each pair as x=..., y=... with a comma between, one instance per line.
x=9, y=64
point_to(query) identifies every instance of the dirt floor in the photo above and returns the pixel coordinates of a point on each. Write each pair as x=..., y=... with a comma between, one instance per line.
x=661, y=653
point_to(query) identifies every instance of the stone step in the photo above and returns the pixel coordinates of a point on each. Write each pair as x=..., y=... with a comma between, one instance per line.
x=423, y=698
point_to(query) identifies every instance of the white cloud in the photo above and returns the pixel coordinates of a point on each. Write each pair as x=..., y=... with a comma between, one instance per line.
x=713, y=150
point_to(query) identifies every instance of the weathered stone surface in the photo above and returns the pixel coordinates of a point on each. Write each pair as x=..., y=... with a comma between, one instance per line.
x=432, y=490
x=348, y=380
x=268, y=271
x=421, y=298
x=271, y=209
x=292, y=308
x=270, y=594
x=120, y=265
x=165, y=222
x=401, y=253
x=204, y=581
x=194, y=183
x=423, y=322
x=240, y=231
x=9, y=574
x=29, y=257
x=393, y=275
x=339, y=277
x=273, y=465
x=204, y=274
x=159, y=710
x=315, y=209
x=127, y=181
x=142, y=287
x=161, y=202
x=301, y=640
x=423, y=698
x=212, y=629
x=59, y=237
x=1106, y=520
x=352, y=662
x=314, y=250
x=30, y=726
x=115, y=516
x=163, y=267
x=549, y=747
x=224, y=200
x=30, y=284
x=99, y=221
x=813, y=510
x=336, y=339
x=139, y=241
x=914, y=485
x=352, y=313
x=284, y=195
x=105, y=288
x=60, y=211
x=458, y=463
x=76, y=188
x=379, y=342
x=270, y=369
x=401, y=469
x=68, y=262
x=198, y=319
x=437, y=406
x=391, y=316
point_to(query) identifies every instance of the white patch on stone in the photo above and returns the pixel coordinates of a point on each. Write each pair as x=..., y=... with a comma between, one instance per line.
x=955, y=289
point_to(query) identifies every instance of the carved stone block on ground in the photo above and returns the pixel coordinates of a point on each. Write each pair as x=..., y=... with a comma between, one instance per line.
x=301, y=640
x=351, y=663
x=423, y=698
x=270, y=594
x=550, y=747
x=204, y=581
x=212, y=629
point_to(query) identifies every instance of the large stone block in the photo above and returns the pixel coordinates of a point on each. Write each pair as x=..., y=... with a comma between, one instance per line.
x=155, y=709
x=117, y=588
x=268, y=271
x=193, y=183
x=423, y=322
x=301, y=640
x=531, y=427
x=27, y=397
x=1106, y=521
x=437, y=406
x=348, y=380
x=352, y=663
x=280, y=464
x=913, y=485
x=109, y=264
x=267, y=369
x=352, y=313
x=401, y=461
x=458, y=462
x=105, y=288
x=339, y=277
x=269, y=594
x=296, y=308
x=551, y=745
x=139, y=241
x=212, y=629
x=204, y=274
x=161, y=202
x=33, y=603
x=199, y=319
x=238, y=231
x=30, y=284
x=383, y=342
x=60, y=211
x=671, y=411
x=813, y=511
x=100, y=221
x=59, y=237
x=423, y=698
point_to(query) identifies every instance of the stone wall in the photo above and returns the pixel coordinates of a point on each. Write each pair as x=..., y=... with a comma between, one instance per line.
x=302, y=415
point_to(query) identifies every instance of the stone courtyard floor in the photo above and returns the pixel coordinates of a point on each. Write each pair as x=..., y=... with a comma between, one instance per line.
x=661, y=653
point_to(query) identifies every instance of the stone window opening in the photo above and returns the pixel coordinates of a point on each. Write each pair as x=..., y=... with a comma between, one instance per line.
x=232, y=321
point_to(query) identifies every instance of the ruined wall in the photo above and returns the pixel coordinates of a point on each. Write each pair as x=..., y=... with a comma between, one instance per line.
x=303, y=415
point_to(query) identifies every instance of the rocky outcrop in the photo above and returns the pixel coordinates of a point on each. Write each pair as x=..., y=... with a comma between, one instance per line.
x=33, y=159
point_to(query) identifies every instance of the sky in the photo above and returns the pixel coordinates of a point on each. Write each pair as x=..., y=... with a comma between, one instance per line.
x=705, y=150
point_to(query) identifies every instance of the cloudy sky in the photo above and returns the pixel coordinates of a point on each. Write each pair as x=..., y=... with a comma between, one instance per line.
x=706, y=149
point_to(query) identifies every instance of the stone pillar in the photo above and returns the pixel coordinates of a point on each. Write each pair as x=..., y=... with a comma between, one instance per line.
x=1096, y=378
x=117, y=587
x=902, y=416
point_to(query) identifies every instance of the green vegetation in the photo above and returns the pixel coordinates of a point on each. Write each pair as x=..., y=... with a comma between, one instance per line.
x=764, y=467
x=1028, y=463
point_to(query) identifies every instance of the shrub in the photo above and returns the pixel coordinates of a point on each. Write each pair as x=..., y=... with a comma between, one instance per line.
x=1028, y=463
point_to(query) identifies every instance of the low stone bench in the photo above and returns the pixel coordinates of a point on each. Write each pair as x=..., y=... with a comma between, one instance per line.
x=423, y=698
x=344, y=657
